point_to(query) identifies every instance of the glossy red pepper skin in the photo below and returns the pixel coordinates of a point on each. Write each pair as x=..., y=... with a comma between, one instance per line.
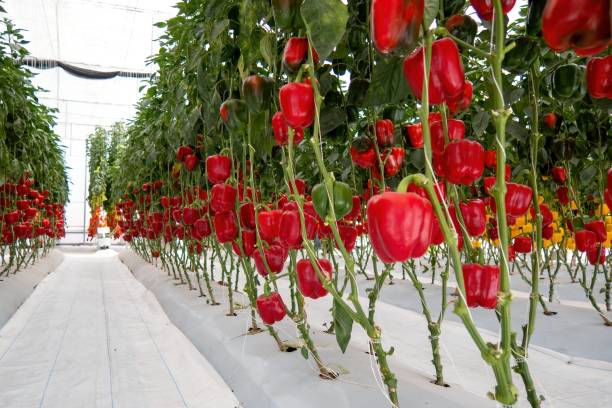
x=226, y=226
x=393, y=160
x=190, y=215
x=247, y=215
x=491, y=161
x=550, y=119
x=384, y=132
x=218, y=168
x=463, y=162
x=456, y=131
x=522, y=245
x=280, y=128
x=300, y=184
x=399, y=225
x=582, y=25
x=547, y=215
x=585, y=239
x=12, y=217
x=275, y=255
x=481, y=285
x=363, y=153
x=608, y=196
x=599, y=77
x=558, y=174
x=563, y=195
x=475, y=217
x=248, y=243
x=462, y=103
x=308, y=280
x=595, y=257
x=271, y=308
x=518, y=199
x=201, y=229
x=297, y=103
x=599, y=228
x=395, y=24
x=223, y=198
x=610, y=178
x=182, y=152
x=296, y=53
x=290, y=233
x=348, y=234
x=414, y=133
x=446, y=78
x=484, y=8
x=269, y=224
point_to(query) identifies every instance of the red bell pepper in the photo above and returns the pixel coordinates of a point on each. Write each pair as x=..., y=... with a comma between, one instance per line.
x=518, y=199
x=12, y=217
x=599, y=77
x=437, y=236
x=247, y=215
x=280, y=128
x=290, y=234
x=393, y=159
x=547, y=231
x=226, y=226
x=275, y=255
x=182, y=152
x=595, y=257
x=271, y=308
x=585, y=240
x=610, y=178
x=583, y=25
x=463, y=102
x=463, y=162
x=218, y=168
x=395, y=24
x=490, y=163
x=475, y=217
x=599, y=228
x=190, y=215
x=481, y=285
x=191, y=162
x=414, y=133
x=558, y=174
x=522, y=245
x=296, y=53
x=608, y=196
x=484, y=8
x=363, y=153
x=384, y=132
x=301, y=187
x=563, y=195
x=248, y=243
x=446, y=78
x=399, y=225
x=201, y=229
x=223, y=197
x=348, y=235
x=269, y=224
x=456, y=131
x=550, y=119
x=308, y=280
x=297, y=103
x=547, y=216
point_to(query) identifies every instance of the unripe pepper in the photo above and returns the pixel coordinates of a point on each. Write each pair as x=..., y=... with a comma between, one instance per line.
x=522, y=245
x=271, y=308
x=296, y=53
x=446, y=77
x=257, y=92
x=384, y=132
x=297, y=103
x=558, y=174
x=223, y=198
x=481, y=285
x=599, y=77
x=280, y=128
x=308, y=280
x=342, y=196
x=484, y=8
x=463, y=162
x=582, y=25
x=275, y=255
x=218, y=168
x=568, y=83
x=285, y=12
x=395, y=24
x=585, y=240
x=226, y=226
x=269, y=224
x=399, y=225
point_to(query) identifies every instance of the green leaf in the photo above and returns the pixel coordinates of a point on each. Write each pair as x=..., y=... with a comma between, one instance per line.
x=587, y=174
x=388, y=85
x=267, y=47
x=343, y=326
x=480, y=122
x=331, y=118
x=325, y=22
x=218, y=28
x=431, y=11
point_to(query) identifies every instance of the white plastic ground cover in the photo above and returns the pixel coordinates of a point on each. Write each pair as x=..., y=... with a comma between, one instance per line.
x=15, y=289
x=92, y=336
x=250, y=364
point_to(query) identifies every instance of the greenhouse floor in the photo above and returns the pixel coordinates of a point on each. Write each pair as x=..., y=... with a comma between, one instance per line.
x=91, y=335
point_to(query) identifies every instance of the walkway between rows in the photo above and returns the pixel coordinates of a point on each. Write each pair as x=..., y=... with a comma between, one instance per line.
x=92, y=336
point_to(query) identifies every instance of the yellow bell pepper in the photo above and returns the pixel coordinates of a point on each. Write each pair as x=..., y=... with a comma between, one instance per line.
x=528, y=228
x=520, y=221
x=515, y=232
x=608, y=219
x=608, y=227
x=476, y=243
x=547, y=243
x=540, y=199
x=557, y=237
x=570, y=243
x=574, y=206
x=555, y=215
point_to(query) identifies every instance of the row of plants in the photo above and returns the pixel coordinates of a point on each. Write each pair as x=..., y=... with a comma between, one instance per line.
x=103, y=150
x=331, y=145
x=33, y=179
